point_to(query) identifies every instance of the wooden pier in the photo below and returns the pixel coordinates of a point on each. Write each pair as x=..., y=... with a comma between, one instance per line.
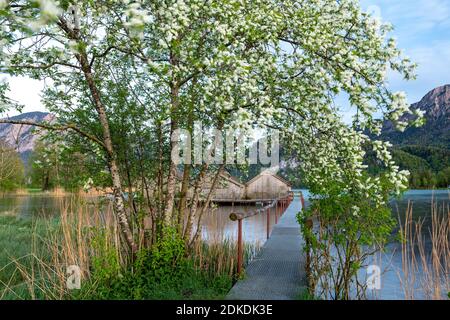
x=278, y=271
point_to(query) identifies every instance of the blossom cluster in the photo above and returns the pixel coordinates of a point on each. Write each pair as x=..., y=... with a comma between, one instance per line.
x=240, y=63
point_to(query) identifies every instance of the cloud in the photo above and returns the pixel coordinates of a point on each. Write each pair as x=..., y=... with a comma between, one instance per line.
x=433, y=70
x=27, y=92
x=414, y=19
x=421, y=29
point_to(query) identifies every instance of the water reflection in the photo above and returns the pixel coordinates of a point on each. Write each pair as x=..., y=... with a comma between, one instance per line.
x=217, y=224
x=31, y=206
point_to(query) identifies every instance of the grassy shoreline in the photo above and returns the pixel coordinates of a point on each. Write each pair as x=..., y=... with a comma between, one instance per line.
x=35, y=254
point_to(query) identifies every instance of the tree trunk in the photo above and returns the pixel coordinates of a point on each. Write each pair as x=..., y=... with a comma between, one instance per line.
x=206, y=205
x=119, y=205
x=46, y=184
x=183, y=197
x=197, y=189
x=187, y=167
x=171, y=179
x=194, y=204
x=73, y=33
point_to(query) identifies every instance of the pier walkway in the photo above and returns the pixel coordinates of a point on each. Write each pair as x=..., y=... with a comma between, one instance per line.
x=278, y=271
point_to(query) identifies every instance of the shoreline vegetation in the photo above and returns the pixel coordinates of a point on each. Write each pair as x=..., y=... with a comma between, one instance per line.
x=55, y=192
x=425, y=254
x=60, y=192
x=35, y=255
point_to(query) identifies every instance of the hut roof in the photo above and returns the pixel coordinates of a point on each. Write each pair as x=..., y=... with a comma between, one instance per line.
x=269, y=173
x=227, y=176
x=224, y=175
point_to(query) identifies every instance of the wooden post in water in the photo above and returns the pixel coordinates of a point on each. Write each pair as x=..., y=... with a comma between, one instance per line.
x=240, y=258
x=276, y=215
x=240, y=249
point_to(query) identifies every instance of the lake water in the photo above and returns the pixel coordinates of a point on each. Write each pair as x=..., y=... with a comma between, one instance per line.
x=217, y=225
x=391, y=260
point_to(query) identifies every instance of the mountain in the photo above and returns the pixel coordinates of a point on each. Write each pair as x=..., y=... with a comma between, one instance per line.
x=23, y=137
x=424, y=151
x=435, y=132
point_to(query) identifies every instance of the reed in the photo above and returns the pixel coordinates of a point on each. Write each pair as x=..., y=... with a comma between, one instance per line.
x=81, y=234
x=218, y=253
x=425, y=270
x=220, y=258
x=86, y=235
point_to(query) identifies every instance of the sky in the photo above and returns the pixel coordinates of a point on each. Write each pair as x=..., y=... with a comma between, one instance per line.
x=422, y=30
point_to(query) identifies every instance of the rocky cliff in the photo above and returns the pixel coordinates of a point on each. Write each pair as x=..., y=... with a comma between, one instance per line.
x=436, y=131
x=23, y=137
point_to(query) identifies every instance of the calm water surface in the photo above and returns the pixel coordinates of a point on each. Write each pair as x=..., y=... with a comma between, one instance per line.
x=217, y=224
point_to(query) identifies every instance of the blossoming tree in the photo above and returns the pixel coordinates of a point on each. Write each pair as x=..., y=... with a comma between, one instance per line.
x=228, y=63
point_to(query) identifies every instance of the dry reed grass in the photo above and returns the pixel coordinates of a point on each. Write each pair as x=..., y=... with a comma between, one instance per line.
x=218, y=253
x=86, y=231
x=425, y=270
x=72, y=241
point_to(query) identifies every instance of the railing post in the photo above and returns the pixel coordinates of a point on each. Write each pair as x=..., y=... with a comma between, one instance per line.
x=302, y=200
x=276, y=206
x=240, y=249
x=280, y=208
x=276, y=217
x=268, y=223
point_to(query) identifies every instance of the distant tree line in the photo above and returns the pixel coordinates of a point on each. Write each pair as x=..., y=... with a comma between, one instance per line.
x=51, y=166
x=48, y=167
x=429, y=167
x=11, y=168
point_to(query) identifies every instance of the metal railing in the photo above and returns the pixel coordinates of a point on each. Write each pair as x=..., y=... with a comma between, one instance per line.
x=280, y=205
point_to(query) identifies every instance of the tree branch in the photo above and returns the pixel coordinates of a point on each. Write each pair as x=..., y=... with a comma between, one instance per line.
x=65, y=127
x=47, y=66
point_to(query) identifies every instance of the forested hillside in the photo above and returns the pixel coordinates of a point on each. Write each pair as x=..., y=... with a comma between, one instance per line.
x=425, y=151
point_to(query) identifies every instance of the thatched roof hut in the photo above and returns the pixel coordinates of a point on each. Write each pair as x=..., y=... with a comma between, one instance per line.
x=266, y=185
x=228, y=187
